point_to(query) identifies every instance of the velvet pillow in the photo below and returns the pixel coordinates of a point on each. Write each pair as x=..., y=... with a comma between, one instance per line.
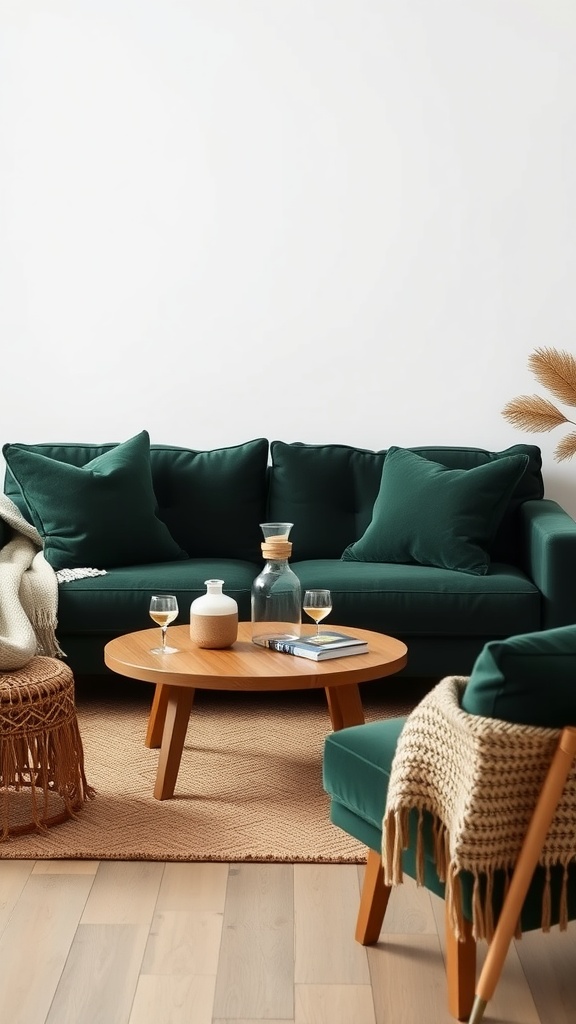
x=529, y=679
x=99, y=515
x=430, y=515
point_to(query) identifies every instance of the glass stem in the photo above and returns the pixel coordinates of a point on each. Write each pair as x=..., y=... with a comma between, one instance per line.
x=163, y=628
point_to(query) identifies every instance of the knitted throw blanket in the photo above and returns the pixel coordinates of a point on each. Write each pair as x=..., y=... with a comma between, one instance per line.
x=28, y=594
x=480, y=779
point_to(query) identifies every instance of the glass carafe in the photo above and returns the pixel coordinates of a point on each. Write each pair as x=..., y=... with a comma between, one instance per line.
x=276, y=592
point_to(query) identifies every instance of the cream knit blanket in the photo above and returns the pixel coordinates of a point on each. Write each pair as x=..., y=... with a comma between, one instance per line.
x=28, y=594
x=480, y=779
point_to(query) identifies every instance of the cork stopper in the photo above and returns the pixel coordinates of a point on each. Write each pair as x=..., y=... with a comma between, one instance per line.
x=274, y=548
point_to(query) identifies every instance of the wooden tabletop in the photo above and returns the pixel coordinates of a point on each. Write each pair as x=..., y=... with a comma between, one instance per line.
x=246, y=666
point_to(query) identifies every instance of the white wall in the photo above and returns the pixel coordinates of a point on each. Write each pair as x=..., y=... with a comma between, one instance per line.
x=316, y=220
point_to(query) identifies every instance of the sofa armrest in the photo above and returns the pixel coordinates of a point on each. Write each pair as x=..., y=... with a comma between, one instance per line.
x=549, y=558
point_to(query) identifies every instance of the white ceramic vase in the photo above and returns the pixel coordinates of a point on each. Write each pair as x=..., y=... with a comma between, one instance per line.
x=214, y=618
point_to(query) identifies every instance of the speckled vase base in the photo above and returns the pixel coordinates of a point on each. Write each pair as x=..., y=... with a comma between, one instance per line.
x=214, y=631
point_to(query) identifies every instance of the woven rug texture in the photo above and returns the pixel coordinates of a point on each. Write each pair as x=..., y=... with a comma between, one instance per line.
x=249, y=786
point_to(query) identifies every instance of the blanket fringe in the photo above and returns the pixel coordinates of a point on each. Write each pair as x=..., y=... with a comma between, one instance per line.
x=563, y=910
x=396, y=840
x=420, y=845
x=44, y=627
x=453, y=896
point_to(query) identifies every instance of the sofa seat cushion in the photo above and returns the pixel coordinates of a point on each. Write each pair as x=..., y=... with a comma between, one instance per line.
x=405, y=600
x=356, y=766
x=118, y=602
x=355, y=774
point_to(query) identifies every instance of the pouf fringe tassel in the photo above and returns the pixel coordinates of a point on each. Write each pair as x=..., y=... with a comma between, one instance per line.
x=48, y=768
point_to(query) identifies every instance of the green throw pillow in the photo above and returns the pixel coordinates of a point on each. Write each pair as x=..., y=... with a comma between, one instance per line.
x=430, y=515
x=530, y=679
x=99, y=515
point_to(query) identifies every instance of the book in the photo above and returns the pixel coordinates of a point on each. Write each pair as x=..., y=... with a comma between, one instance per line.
x=329, y=644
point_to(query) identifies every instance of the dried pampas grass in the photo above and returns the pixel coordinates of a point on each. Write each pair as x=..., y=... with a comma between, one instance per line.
x=556, y=371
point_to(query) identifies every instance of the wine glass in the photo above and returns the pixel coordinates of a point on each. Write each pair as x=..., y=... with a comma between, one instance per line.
x=163, y=610
x=317, y=604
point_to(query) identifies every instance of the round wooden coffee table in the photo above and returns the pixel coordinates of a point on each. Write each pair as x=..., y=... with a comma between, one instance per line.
x=241, y=667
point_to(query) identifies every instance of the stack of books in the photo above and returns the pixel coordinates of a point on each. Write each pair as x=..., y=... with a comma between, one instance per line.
x=326, y=645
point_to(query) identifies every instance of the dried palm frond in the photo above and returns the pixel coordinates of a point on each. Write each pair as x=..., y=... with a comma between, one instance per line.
x=530, y=412
x=566, y=448
x=556, y=370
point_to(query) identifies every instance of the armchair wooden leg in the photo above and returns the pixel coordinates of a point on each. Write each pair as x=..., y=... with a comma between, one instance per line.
x=460, y=970
x=460, y=956
x=373, y=901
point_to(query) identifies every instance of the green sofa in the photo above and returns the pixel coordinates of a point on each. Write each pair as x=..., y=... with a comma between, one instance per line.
x=445, y=548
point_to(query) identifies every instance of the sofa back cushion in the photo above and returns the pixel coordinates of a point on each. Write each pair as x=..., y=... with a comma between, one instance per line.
x=212, y=501
x=529, y=678
x=329, y=491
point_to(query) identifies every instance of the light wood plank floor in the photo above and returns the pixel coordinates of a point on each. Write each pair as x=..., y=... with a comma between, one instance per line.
x=83, y=942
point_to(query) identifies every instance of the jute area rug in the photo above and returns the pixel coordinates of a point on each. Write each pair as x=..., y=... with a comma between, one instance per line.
x=249, y=786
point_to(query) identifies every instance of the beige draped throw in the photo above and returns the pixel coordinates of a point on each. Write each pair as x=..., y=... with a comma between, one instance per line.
x=28, y=594
x=479, y=778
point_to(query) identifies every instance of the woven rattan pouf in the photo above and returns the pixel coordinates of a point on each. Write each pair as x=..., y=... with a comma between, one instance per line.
x=42, y=780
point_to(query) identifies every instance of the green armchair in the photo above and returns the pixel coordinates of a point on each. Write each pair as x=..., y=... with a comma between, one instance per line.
x=516, y=704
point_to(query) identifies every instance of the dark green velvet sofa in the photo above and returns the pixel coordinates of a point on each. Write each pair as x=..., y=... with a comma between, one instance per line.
x=365, y=533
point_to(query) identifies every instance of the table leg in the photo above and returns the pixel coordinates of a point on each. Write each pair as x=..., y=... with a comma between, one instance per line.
x=157, y=716
x=179, y=701
x=345, y=706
